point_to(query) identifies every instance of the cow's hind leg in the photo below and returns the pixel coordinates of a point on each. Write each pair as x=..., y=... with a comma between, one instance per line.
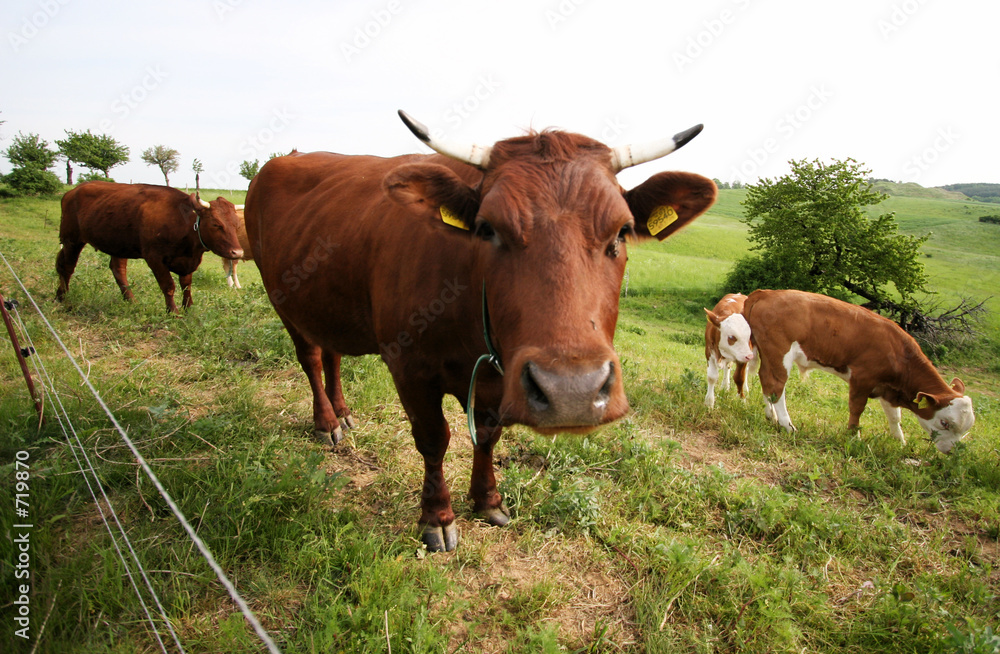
x=66, y=260
x=422, y=402
x=334, y=390
x=119, y=268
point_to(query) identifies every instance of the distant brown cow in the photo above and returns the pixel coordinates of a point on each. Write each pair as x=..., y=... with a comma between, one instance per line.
x=871, y=353
x=229, y=265
x=167, y=227
x=403, y=256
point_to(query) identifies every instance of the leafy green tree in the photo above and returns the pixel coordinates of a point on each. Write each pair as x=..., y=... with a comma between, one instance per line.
x=31, y=157
x=198, y=168
x=249, y=169
x=164, y=158
x=93, y=151
x=30, y=151
x=812, y=232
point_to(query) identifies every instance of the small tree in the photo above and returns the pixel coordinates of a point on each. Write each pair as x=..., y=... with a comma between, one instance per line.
x=31, y=157
x=30, y=151
x=249, y=169
x=166, y=159
x=93, y=151
x=813, y=233
x=197, y=168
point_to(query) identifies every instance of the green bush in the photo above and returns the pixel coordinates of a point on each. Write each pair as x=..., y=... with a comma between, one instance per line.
x=93, y=176
x=752, y=272
x=990, y=219
x=33, y=181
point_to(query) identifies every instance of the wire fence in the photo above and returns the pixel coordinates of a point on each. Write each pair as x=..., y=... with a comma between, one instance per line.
x=155, y=613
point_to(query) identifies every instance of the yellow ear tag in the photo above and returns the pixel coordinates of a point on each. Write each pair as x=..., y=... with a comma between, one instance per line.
x=924, y=403
x=451, y=219
x=660, y=219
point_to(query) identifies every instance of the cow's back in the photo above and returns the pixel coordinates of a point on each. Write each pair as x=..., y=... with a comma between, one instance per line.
x=333, y=249
x=832, y=332
x=111, y=217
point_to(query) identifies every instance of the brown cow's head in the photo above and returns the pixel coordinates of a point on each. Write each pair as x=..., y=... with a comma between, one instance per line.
x=550, y=221
x=217, y=226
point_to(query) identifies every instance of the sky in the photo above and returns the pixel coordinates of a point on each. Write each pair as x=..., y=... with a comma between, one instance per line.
x=906, y=87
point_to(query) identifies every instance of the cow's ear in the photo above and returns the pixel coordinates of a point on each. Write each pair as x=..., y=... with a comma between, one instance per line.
x=926, y=401
x=958, y=386
x=433, y=192
x=714, y=319
x=668, y=201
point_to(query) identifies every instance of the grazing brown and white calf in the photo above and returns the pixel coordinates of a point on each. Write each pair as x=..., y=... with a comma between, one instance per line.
x=873, y=354
x=727, y=341
x=229, y=265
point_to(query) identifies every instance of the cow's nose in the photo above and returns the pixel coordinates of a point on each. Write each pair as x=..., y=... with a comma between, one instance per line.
x=236, y=254
x=568, y=399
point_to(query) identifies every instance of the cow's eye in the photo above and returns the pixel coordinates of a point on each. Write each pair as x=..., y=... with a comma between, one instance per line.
x=732, y=340
x=945, y=424
x=485, y=231
x=625, y=231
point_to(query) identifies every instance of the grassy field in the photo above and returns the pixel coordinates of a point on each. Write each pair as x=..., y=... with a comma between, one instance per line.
x=678, y=529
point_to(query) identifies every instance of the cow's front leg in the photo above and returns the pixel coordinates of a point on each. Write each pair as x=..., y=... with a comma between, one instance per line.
x=422, y=402
x=166, y=282
x=335, y=391
x=326, y=426
x=781, y=413
x=712, y=377
x=724, y=374
x=894, y=415
x=486, y=501
x=186, y=288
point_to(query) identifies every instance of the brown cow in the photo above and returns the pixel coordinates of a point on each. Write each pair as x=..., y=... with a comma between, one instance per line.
x=229, y=265
x=404, y=256
x=727, y=341
x=873, y=354
x=167, y=227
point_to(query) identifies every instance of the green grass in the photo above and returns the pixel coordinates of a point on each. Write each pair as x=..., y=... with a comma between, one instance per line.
x=678, y=529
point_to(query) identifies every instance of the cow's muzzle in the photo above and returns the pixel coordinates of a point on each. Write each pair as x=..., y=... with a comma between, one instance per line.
x=569, y=399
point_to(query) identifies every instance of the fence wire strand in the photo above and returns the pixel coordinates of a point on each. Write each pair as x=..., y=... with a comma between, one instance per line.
x=202, y=548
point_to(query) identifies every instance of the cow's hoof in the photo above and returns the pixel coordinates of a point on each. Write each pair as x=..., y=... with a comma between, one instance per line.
x=328, y=438
x=498, y=516
x=348, y=422
x=440, y=539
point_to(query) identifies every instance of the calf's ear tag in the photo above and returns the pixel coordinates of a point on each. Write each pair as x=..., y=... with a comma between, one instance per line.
x=923, y=403
x=450, y=218
x=660, y=219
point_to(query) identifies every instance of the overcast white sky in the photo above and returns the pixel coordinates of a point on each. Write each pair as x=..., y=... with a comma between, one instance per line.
x=908, y=87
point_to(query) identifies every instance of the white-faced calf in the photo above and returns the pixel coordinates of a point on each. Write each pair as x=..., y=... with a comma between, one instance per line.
x=727, y=341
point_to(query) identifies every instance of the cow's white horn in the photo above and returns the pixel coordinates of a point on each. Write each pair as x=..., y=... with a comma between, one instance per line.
x=626, y=156
x=239, y=207
x=471, y=153
x=204, y=204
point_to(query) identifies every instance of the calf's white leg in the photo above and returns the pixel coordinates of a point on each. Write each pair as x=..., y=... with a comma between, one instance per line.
x=894, y=415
